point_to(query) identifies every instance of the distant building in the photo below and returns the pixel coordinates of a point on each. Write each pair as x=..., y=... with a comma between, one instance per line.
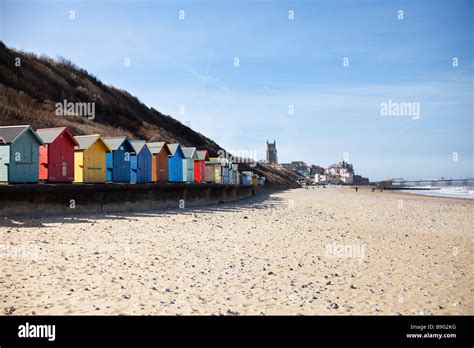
x=272, y=152
x=298, y=166
x=340, y=173
x=344, y=170
x=357, y=179
x=314, y=169
x=319, y=178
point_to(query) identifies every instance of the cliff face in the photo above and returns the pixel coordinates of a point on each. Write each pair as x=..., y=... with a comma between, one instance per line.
x=31, y=86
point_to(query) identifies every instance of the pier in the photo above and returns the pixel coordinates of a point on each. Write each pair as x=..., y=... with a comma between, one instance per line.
x=399, y=184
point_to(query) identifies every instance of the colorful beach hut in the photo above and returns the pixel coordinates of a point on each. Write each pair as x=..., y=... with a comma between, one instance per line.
x=209, y=175
x=200, y=166
x=159, y=164
x=140, y=164
x=231, y=170
x=19, y=154
x=190, y=156
x=175, y=163
x=56, y=163
x=246, y=178
x=217, y=166
x=225, y=164
x=119, y=159
x=89, y=159
x=235, y=173
x=254, y=179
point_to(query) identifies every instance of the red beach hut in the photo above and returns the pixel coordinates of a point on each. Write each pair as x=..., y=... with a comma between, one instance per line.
x=200, y=166
x=56, y=162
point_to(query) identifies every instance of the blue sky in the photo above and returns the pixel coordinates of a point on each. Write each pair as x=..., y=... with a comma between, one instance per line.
x=282, y=62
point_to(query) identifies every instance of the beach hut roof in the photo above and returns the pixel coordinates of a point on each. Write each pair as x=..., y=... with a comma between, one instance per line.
x=48, y=135
x=202, y=155
x=219, y=160
x=190, y=152
x=10, y=133
x=173, y=148
x=115, y=142
x=85, y=141
x=138, y=145
x=156, y=147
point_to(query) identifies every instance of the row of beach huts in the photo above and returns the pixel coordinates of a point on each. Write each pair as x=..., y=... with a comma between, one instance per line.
x=55, y=155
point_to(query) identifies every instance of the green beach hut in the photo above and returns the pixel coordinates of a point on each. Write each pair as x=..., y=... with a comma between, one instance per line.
x=19, y=154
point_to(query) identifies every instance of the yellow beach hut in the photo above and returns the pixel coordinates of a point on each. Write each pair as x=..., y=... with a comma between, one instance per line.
x=216, y=163
x=254, y=179
x=89, y=159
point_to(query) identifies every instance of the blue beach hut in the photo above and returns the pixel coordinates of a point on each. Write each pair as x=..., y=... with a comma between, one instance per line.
x=190, y=155
x=19, y=154
x=140, y=162
x=133, y=168
x=175, y=163
x=225, y=172
x=246, y=178
x=118, y=162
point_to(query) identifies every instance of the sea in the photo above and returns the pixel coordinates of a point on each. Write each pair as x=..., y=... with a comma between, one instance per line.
x=444, y=191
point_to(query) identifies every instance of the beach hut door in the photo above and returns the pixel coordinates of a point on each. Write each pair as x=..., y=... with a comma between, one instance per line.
x=134, y=176
x=63, y=159
x=4, y=160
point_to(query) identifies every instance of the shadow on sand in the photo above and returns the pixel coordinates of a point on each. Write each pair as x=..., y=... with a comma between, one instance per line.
x=262, y=201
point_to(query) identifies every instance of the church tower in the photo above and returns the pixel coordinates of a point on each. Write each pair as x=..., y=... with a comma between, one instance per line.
x=272, y=152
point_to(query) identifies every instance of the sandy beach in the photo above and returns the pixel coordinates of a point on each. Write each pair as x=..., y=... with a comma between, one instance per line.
x=303, y=251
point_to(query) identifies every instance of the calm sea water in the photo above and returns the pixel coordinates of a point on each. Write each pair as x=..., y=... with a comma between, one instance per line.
x=445, y=191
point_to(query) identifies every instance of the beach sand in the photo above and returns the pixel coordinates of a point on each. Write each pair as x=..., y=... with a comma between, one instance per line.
x=302, y=251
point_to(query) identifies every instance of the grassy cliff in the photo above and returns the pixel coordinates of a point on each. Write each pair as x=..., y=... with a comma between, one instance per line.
x=29, y=92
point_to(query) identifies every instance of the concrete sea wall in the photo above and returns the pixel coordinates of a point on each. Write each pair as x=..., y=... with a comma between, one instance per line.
x=72, y=199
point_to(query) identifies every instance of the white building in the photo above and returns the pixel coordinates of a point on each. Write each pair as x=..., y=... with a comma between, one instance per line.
x=343, y=171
